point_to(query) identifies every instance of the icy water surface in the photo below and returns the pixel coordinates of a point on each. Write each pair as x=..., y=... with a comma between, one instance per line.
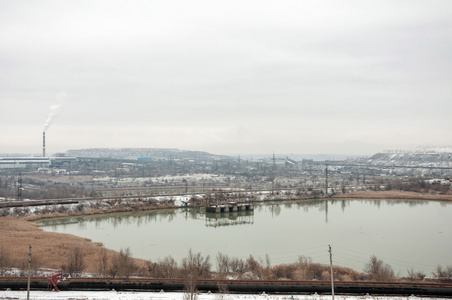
x=404, y=234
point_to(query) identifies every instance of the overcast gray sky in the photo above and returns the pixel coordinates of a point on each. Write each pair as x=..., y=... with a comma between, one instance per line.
x=227, y=77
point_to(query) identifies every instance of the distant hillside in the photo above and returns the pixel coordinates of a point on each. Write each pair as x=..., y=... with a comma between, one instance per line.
x=140, y=153
x=427, y=159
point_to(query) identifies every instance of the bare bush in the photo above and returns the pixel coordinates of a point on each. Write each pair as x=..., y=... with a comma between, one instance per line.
x=415, y=276
x=75, y=264
x=222, y=292
x=166, y=268
x=267, y=271
x=376, y=270
x=237, y=265
x=36, y=263
x=285, y=271
x=222, y=264
x=305, y=269
x=169, y=267
x=5, y=260
x=254, y=267
x=194, y=266
x=198, y=264
x=125, y=263
x=443, y=274
x=103, y=262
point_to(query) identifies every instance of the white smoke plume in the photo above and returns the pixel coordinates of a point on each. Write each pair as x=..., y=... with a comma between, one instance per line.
x=54, y=110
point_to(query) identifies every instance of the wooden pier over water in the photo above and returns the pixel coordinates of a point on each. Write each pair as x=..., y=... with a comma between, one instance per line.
x=229, y=207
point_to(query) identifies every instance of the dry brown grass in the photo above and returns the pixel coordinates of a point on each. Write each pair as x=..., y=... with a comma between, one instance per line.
x=50, y=250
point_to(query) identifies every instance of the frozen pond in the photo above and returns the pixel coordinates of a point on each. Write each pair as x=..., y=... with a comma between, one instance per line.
x=404, y=234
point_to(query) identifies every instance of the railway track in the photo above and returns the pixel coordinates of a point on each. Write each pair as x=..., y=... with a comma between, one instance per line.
x=238, y=286
x=47, y=202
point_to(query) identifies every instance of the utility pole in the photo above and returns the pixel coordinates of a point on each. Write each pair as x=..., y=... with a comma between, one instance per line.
x=274, y=161
x=19, y=187
x=332, y=278
x=29, y=272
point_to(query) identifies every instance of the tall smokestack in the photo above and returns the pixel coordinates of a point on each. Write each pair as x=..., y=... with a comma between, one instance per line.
x=43, y=144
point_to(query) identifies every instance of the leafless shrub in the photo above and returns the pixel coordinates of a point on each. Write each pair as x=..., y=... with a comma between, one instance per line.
x=415, y=276
x=79, y=207
x=304, y=264
x=376, y=270
x=5, y=260
x=4, y=212
x=125, y=263
x=76, y=263
x=36, y=263
x=169, y=267
x=103, y=262
x=305, y=269
x=285, y=271
x=222, y=292
x=316, y=271
x=443, y=274
x=222, y=264
x=152, y=201
x=194, y=266
x=195, y=262
x=113, y=270
x=254, y=267
x=267, y=271
x=62, y=209
x=166, y=268
x=237, y=265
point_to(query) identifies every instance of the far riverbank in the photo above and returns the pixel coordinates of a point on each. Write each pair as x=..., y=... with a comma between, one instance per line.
x=394, y=195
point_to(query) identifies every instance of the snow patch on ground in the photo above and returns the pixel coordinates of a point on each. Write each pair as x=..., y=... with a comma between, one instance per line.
x=138, y=181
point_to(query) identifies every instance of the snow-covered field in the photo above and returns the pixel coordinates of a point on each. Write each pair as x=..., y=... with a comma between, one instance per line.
x=113, y=295
x=138, y=181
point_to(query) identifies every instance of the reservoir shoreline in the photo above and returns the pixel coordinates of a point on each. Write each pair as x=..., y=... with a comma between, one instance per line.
x=19, y=232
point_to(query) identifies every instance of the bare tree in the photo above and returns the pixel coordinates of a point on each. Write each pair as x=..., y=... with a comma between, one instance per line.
x=166, y=268
x=415, y=276
x=191, y=274
x=113, y=269
x=377, y=270
x=125, y=262
x=284, y=271
x=194, y=266
x=76, y=263
x=254, y=267
x=443, y=274
x=267, y=270
x=5, y=260
x=222, y=264
x=237, y=265
x=103, y=261
x=169, y=267
x=121, y=264
x=304, y=262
